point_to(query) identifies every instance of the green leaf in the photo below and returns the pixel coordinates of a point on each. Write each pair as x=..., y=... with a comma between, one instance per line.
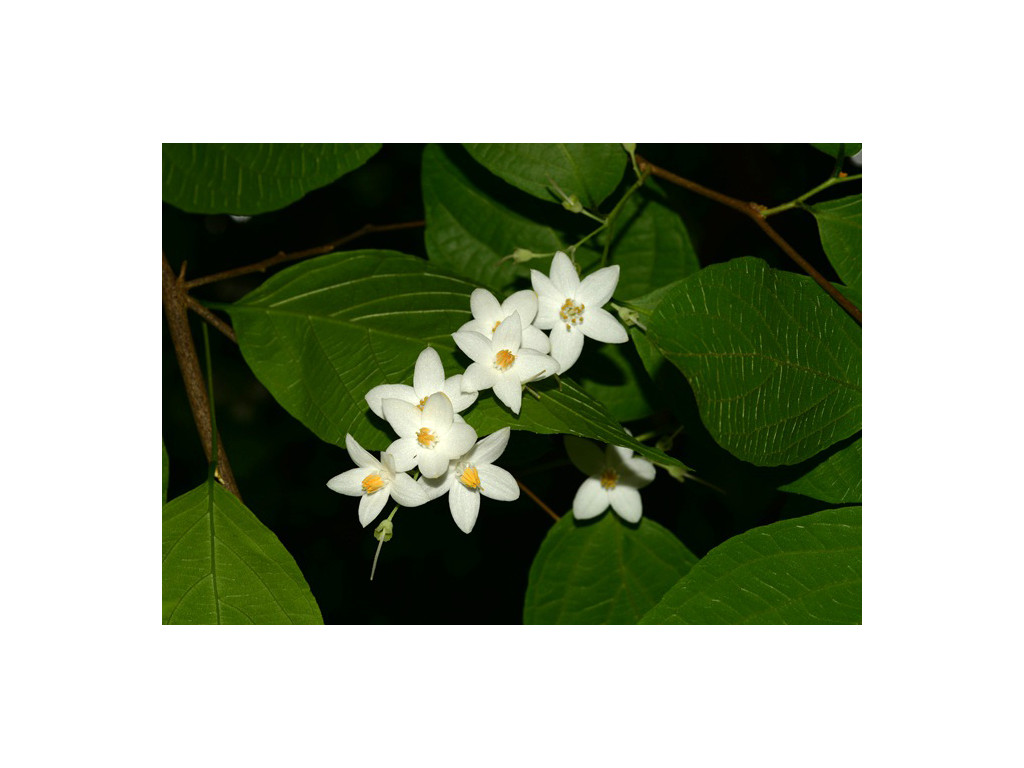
x=319, y=335
x=839, y=224
x=167, y=469
x=651, y=246
x=610, y=376
x=836, y=480
x=801, y=571
x=589, y=171
x=565, y=411
x=602, y=572
x=774, y=362
x=849, y=150
x=223, y=566
x=253, y=178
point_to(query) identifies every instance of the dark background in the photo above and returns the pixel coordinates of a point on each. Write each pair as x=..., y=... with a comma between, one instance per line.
x=431, y=572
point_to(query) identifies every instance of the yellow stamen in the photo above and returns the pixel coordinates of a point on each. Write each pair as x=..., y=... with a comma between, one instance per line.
x=571, y=313
x=372, y=483
x=495, y=327
x=503, y=360
x=426, y=438
x=609, y=478
x=470, y=478
x=422, y=403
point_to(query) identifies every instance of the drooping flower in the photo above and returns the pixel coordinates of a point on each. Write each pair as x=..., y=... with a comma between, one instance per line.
x=572, y=308
x=427, y=378
x=428, y=438
x=374, y=482
x=488, y=315
x=502, y=363
x=472, y=476
x=614, y=478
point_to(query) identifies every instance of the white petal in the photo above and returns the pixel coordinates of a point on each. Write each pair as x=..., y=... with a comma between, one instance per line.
x=566, y=346
x=563, y=275
x=636, y=472
x=549, y=300
x=476, y=347
x=438, y=413
x=436, y=487
x=382, y=392
x=626, y=503
x=509, y=334
x=406, y=491
x=485, y=307
x=490, y=448
x=371, y=505
x=476, y=326
x=597, y=288
x=586, y=456
x=496, y=483
x=590, y=500
x=404, y=418
x=535, y=338
x=458, y=441
x=432, y=463
x=523, y=302
x=479, y=376
x=387, y=462
x=405, y=452
x=601, y=325
x=533, y=366
x=428, y=377
x=460, y=400
x=349, y=483
x=509, y=390
x=465, y=506
x=359, y=455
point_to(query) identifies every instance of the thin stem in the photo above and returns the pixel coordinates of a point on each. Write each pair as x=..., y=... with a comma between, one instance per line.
x=282, y=257
x=211, y=318
x=537, y=500
x=754, y=211
x=796, y=202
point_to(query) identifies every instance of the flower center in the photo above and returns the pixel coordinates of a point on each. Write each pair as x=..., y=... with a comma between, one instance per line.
x=470, y=478
x=372, y=483
x=609, y=478
x=426, y=438
x=422, y=403
x=571, y=313
x=503, y=360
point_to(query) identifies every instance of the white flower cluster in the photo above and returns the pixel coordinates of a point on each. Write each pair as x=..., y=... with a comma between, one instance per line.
x=508, y=348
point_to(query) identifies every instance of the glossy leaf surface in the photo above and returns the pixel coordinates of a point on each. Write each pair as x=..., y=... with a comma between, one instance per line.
x=836, y=480
x=839, y=224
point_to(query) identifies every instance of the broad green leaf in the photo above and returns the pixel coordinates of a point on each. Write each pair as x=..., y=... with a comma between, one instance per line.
x=801, y=571
x=222, y=566
x=602, y=572
x=849, y=150
x=836, y=480
x=839, y=224
x=589, y=171
x=651, y=246
x=471, y=232
x=167, y=468
x=774, y=362
x=320, y=334
x=564, y=410
x=610, y=376
x=253, y=178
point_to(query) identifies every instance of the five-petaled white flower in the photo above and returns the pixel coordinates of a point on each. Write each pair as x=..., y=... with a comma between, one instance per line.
x=473, y=475
x=427, y=378
x=374, y=482
x=428, y=438
x=488, y=315
x=502, y=363
x=614, y=477
x=573, y=309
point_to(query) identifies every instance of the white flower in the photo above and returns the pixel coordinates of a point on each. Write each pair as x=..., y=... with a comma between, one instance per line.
x=430, y=437
x=427, y=378
x=488, y=315
x=502, y=363
x=474, y=475
x=572, y=309
x=614, y=478
x=374, y=482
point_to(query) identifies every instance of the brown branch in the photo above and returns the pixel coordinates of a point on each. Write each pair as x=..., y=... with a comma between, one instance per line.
x=281, y=257
x=540, y=503
x=753, y=211
x=175, y=302
x=211, y=318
